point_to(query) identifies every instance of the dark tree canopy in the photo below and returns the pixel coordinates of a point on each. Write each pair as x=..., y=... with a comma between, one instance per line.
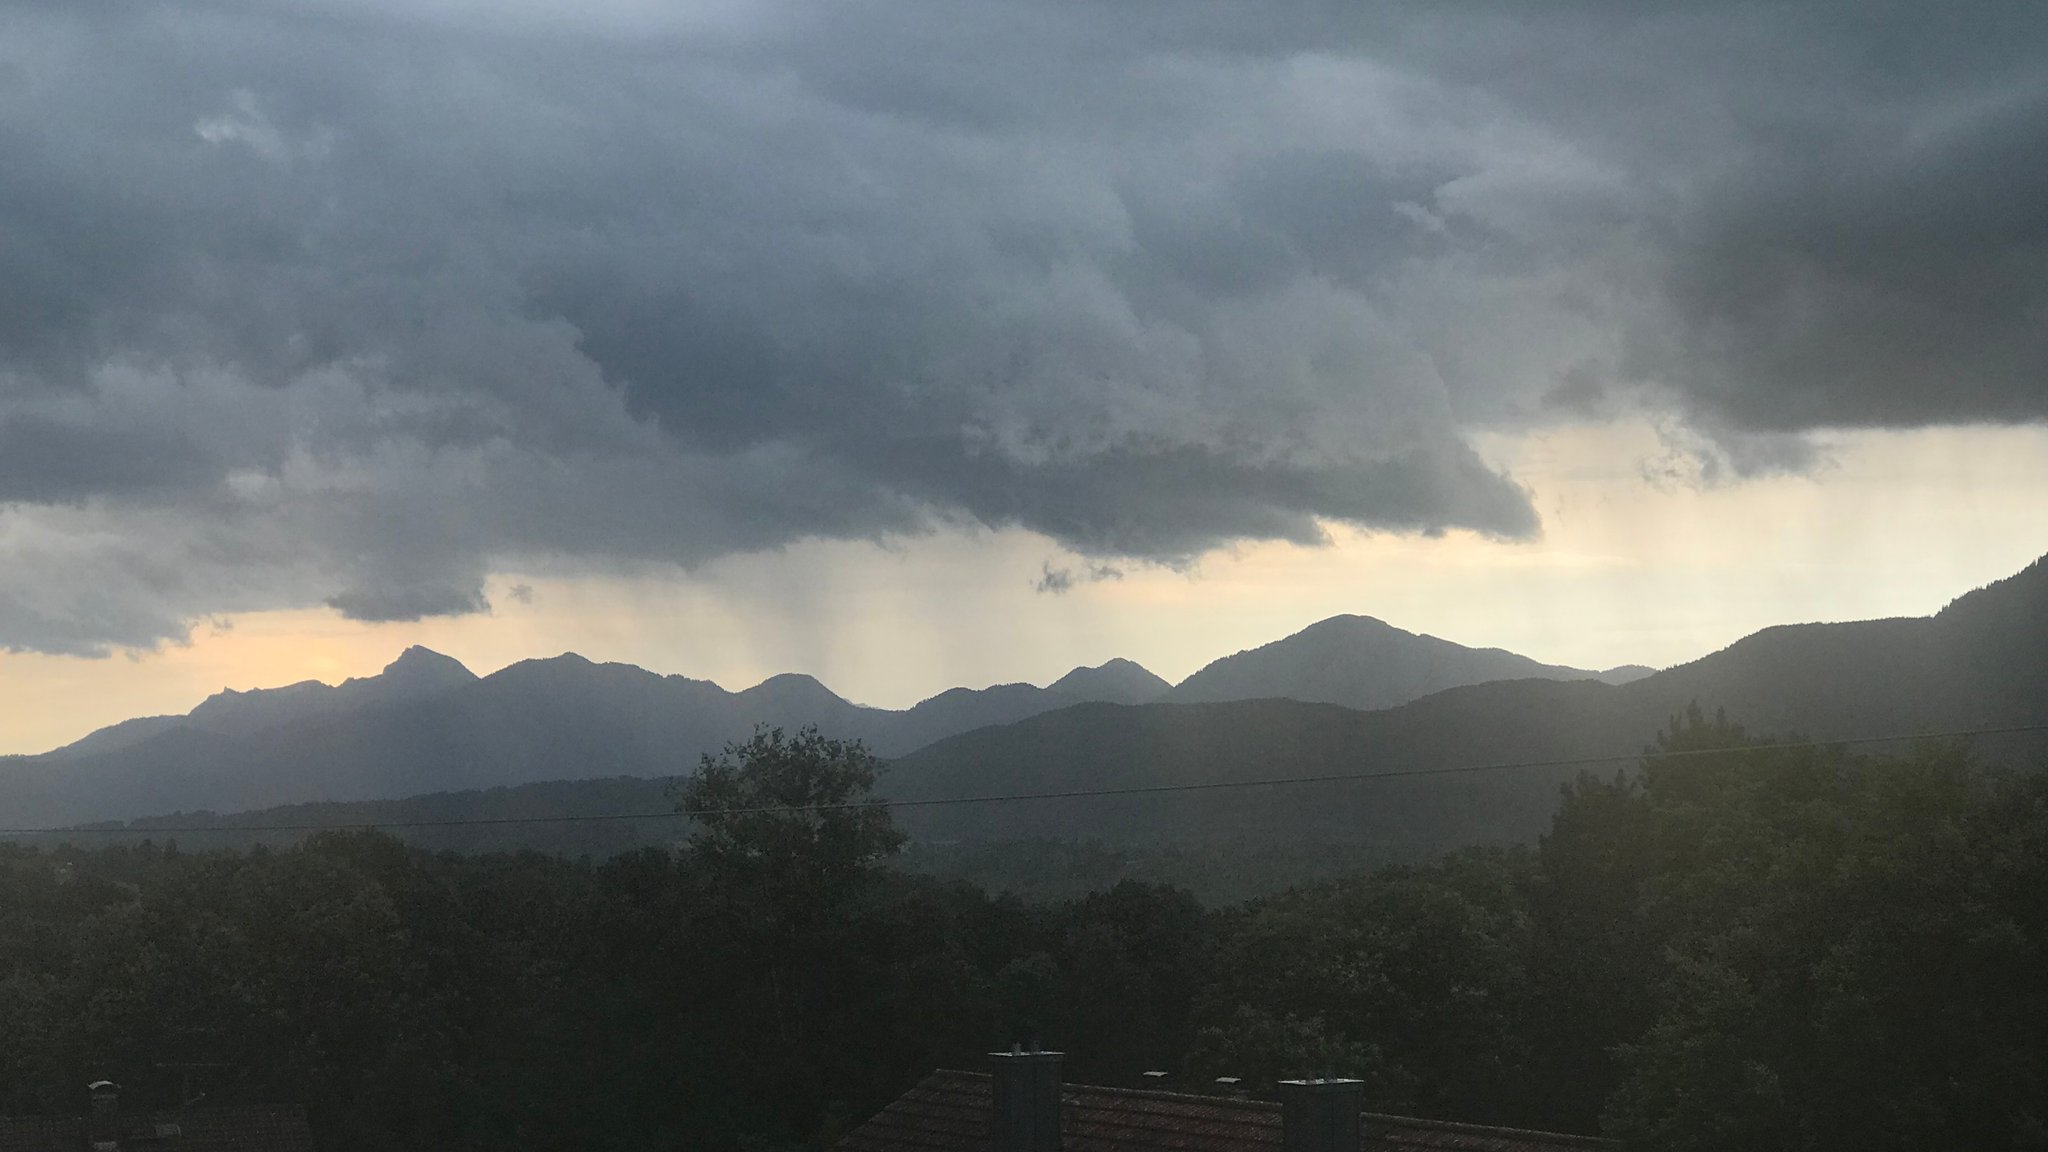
x=789, y=818
x=1733, y=946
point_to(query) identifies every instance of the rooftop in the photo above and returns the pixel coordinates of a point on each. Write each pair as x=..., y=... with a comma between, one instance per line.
x=949, y=1112
x=244, y=1128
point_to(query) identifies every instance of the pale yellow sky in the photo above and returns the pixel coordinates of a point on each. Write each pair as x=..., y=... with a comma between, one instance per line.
x=1627, y=571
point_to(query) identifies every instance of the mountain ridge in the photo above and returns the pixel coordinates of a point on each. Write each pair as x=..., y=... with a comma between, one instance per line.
x=420, y=726
x=1981, y=661
x=417, y=672
x=1366, y=663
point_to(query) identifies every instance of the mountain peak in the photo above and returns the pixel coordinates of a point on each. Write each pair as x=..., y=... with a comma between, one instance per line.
x=789, y=682
x=1350, y=620
x=1115, y=681
x=420, y=665
x=1358, y=662
x=418, y=656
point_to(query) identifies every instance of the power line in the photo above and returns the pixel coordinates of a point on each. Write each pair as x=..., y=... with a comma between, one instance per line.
x=1023, y=797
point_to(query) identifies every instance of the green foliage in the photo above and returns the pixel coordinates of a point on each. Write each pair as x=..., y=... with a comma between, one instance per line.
x=785, y=826
x=1732, y=947
x=1854, y=950
x=1218, y=872
x=1409, y=978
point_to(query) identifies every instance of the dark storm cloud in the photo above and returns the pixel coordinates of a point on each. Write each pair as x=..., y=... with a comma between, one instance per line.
x=353, y=302
x=1898, y=283
x=1834, y=207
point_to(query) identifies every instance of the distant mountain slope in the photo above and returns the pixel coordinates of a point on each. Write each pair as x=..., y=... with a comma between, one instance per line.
x=417, y=674
x=476, y=820
x=1085, y=746
x=963, y=710
x=1360, y=662
x=408, y=732
x=1117, y=682
x=1982, y=662
x=1103, y=746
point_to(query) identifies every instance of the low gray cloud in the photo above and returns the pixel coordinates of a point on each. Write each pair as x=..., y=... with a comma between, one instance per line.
x=1065, y=578
x=1054, y=581
x=353, y=303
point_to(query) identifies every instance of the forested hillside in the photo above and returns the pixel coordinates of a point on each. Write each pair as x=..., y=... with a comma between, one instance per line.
x=1980, y=663
x=1716, y=948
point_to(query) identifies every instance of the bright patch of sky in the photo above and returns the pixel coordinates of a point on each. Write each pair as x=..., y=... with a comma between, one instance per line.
x=1628, y=570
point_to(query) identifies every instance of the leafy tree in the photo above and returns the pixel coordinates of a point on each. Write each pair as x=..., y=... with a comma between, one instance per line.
x=1856, y=949
x=789, y=821
x=1136, y=957
x=1418, y=973
x=1594, y=960
x=788, y=850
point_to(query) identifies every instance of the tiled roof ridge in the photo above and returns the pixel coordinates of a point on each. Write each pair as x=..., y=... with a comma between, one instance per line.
x=195, y=1128
x=1487, y=1129
x=1245, y=1103
x=171, y=1113
x=217, y=1110
x=1250, y=1105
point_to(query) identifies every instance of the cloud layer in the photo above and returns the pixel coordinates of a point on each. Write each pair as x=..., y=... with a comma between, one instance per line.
x=353, y=302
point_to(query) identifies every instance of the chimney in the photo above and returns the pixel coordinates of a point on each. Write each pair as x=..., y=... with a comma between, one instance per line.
x=1320, y=1115
x=1026, y=1096
x=103, y=1123
x=106, y=1097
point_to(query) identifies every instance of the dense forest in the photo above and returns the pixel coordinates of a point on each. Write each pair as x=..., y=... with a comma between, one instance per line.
x=1729, y=945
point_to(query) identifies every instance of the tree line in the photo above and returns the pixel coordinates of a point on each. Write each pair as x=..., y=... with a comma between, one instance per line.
x=1733, y=946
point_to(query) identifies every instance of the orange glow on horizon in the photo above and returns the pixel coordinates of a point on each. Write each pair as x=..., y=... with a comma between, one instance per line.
x=1626, y=572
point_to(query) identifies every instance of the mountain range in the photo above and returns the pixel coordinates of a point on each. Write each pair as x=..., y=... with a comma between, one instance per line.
x=417, y=674
x=1980, y=663
x=427, y=725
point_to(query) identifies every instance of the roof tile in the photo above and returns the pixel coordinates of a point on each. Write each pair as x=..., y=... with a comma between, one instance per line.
x=242, y=1128
x=949, y=1112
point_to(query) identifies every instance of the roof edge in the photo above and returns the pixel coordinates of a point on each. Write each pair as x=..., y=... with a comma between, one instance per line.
x=1250, y=1105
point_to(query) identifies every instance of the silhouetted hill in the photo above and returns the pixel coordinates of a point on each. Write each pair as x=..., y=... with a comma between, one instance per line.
x=1980, y=662
x=427, y=724
x=963, y=710
x=1119, y=681
x=1360, y=662
x=418, y=674
x=525, y=816
x=1105, y=746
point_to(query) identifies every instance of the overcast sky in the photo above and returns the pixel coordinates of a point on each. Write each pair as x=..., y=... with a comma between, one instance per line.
x=926, y=343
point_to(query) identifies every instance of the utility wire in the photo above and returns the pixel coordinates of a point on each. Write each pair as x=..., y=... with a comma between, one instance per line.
x=1020, y=797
